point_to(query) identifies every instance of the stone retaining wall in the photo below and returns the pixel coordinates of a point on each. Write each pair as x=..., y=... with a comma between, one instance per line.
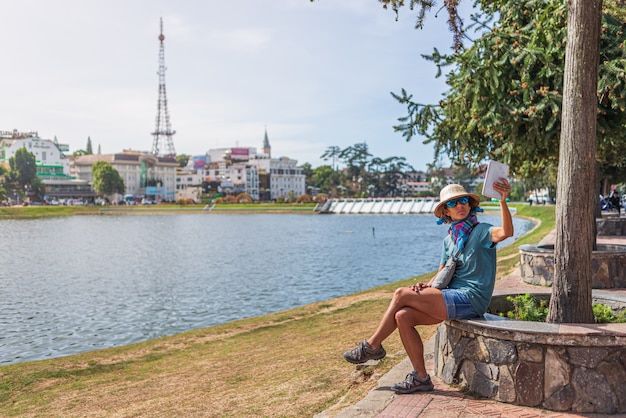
x=611, y=225
x=577, y=368
x=608, y=265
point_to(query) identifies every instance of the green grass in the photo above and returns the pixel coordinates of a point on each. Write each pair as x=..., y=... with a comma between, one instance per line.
x=18, y=212
x=33, y=212
x=265, y=207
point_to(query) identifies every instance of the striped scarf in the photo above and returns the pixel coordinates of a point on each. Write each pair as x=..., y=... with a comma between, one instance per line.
x=460, y=230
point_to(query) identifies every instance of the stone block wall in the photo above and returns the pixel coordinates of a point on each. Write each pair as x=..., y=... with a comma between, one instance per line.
x=536, y=265
x=610, y=226
x=608, y=266
x=540, y=369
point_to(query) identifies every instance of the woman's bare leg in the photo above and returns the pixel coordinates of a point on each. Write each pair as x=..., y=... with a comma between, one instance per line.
x=406, y=319
x=427, y=301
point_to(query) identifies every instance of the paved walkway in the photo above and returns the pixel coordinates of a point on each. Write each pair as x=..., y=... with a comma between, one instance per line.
x=447, y=401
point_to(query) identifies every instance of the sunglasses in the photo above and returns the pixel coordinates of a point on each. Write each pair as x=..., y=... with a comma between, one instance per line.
x=452, y=203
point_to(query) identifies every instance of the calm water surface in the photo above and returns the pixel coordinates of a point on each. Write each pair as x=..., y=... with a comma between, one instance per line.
x=75, y=284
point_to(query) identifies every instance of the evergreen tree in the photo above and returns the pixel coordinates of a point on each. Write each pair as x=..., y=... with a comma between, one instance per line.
x=331, y=152
x=505, y=94
x=182, y=160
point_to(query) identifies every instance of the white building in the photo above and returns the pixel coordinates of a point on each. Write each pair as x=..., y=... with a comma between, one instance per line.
x=286, y=179
x=191, y=178
x=144, y=175
x=51, y=162
x=234, y=178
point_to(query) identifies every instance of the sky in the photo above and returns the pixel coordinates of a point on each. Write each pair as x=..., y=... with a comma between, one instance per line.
x=314, y=74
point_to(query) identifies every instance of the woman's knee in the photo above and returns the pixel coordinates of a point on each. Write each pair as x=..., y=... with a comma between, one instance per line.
x=402, y=295
x=405, y=317
x=402, y=292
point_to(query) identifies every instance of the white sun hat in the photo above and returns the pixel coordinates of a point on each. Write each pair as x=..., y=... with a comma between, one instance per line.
x=454, y=191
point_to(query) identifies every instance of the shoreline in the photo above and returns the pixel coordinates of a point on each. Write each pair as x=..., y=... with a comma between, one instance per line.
x=32, y=212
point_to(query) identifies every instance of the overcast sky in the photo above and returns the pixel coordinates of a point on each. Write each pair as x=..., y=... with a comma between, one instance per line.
x=315, y=74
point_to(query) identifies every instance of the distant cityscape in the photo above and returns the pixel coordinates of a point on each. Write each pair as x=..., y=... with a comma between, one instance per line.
x=159, y=178
x=219, y=172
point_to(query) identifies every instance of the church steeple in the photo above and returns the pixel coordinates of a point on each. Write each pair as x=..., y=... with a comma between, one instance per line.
x=266, y=145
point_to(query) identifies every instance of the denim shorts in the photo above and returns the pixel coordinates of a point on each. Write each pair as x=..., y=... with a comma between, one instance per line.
x=458, y=305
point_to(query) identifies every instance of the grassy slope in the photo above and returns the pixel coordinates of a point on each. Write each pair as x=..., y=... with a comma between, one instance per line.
x=284, y=364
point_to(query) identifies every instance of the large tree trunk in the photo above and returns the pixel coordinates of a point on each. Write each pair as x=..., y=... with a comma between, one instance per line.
x=576, y=188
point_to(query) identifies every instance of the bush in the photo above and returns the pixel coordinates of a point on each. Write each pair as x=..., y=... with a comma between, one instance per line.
x=603, y=314
x=244, y=198
x=528, y=308
x=185, y=201
x=320, y=198
x=304, y=198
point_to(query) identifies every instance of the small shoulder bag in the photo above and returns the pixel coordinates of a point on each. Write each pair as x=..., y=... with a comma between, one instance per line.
x=442, y=279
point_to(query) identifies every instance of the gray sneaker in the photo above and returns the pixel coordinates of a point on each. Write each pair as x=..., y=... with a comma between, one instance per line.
x=413, y=383
x=363, y=353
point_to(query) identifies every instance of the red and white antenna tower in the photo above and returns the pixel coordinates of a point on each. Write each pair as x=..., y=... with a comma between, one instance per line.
x=163, y=130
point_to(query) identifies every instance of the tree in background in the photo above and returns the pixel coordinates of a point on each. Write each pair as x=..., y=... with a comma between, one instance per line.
x=23, y=166
x=182, y=159
x=387, y=175
x=355, y=158
x=21, y=181
x=3, y=193
x=37, y=190
x=89, y=149
x=307, y=170
x=332, y=153
x=106, y=179
x=363, y=175
x=327, y=179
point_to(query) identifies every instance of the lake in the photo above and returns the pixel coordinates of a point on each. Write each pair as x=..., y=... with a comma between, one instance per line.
x=81, y=283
